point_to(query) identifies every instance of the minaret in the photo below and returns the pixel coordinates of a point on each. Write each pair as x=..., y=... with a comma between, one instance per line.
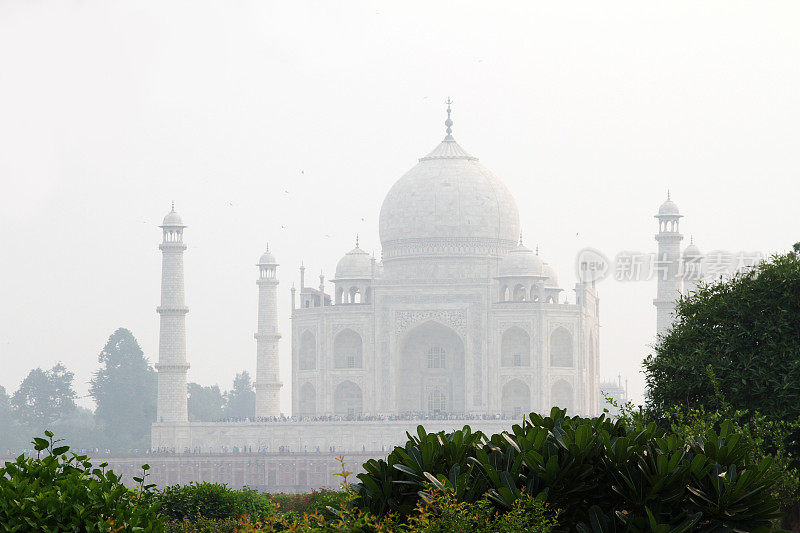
x=268, y=384
x=172, y=365
x=667, y=264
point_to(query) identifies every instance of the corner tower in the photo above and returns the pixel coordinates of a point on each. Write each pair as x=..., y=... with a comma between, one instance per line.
x=172, y=365
x=667, y=264
x=268, y=384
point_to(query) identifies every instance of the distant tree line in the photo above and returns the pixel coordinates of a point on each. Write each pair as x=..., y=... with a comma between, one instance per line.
x=124, y=391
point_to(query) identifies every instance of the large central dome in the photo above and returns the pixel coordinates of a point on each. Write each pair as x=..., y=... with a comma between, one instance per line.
x=448, y=205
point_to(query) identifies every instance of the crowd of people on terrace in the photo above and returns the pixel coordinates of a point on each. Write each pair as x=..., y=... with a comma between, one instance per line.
x=411, y=416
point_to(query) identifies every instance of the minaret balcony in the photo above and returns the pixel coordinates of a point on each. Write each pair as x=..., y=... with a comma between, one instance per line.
x=172, y=367
x=172, y=310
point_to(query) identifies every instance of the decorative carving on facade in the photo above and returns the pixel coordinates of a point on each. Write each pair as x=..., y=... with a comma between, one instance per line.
x=504, y=326
x=569, y=378
x=569, y=326
x=336, y=328
x=358, y=380
x=460, y=247
x=527, y=379
x=453, y=318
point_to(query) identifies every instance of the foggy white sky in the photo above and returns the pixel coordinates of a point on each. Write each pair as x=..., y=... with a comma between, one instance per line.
x=588, y=111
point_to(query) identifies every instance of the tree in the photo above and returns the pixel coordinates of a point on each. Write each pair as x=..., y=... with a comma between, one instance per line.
x=206, y=404
x=747, y=329
x=5, y=410
x=124, y=389
x=44, y=396
x=241, y=400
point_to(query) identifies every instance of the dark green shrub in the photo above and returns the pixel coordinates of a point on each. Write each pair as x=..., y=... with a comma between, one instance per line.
x=600, y=474
x=213, y=501
x=58, y=493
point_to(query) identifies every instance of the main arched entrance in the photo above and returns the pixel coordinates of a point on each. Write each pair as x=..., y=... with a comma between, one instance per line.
x=430, y=375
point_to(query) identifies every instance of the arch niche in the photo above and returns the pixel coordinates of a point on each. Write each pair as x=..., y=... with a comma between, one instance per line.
x=347, y=349
x=347, y=399
x=561, y=348
x=431, y=359
x=515, y=347
x=516, y=399
x=307, y=400
x=308, y=351
x=561, y=396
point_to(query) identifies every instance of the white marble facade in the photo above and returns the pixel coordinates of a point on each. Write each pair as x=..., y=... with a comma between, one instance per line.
x=457, y=319
x=458, y=316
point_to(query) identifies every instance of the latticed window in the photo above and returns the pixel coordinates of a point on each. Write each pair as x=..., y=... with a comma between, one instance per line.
x=516, y=359
x=436, y=357
x=351, y=361
x=437, y=401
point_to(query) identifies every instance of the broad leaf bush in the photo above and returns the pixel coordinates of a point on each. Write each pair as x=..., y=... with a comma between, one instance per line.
x=58, y=491
x=602, y=475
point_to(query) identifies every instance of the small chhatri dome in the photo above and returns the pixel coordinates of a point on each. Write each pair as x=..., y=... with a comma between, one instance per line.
x=552, y=278
x=521, y=262
x=173, y=219
x=267, y=258
x=692, y=250
x=356, y=264
x=668, y=207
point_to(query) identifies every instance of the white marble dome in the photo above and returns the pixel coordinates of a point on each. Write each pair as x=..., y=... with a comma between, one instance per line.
x=521, y=262
x=448, y=205
x=356, y=264
x=173, y=219
x=692, y=251
x=267, y=258
x=668, y=208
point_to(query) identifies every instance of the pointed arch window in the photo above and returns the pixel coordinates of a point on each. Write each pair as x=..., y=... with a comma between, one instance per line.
x=436, y=357
x=437, y=402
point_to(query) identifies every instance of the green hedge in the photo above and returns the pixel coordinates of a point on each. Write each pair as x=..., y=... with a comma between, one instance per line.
x=218, y=502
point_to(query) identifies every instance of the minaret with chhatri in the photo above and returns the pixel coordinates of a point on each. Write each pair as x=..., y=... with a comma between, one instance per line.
x=268, y=384
x=172, y=365
x=668, y=262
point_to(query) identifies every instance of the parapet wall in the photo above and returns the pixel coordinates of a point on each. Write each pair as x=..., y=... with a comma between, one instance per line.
x=303, y=437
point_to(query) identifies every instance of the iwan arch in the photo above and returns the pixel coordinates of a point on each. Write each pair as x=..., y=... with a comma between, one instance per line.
x=458, y=322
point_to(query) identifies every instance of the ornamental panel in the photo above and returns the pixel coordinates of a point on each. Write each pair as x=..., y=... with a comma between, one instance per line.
x=454, y=318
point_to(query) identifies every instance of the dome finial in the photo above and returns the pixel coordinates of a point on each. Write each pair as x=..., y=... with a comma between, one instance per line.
x=173, y=206
x=668, y=198
x=537, y=249
x=520, y=238
x=356, y=240
x=448, y=122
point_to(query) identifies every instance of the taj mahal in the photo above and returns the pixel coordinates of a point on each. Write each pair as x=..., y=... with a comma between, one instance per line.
x=457, y=323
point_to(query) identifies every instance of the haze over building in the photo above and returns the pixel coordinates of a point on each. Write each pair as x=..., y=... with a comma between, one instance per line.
x=457, y=320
